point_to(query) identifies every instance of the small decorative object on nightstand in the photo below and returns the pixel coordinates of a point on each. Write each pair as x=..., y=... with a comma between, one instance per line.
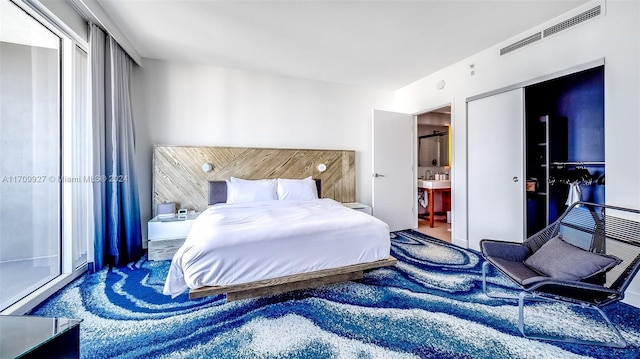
x=166, y=235
x=358, y=207
x=166, y=210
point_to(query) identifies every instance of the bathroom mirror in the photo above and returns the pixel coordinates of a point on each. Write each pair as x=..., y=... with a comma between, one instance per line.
x=433, y=147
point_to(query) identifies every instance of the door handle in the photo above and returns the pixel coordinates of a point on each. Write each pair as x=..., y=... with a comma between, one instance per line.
x=376, y=175
x=515, y=179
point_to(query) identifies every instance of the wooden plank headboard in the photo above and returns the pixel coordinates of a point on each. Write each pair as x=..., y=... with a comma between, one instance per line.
x=178, y=176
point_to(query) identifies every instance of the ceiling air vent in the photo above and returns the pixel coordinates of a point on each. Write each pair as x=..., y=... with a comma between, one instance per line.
x=589, y=14
x=573, y=21
x=518, y=44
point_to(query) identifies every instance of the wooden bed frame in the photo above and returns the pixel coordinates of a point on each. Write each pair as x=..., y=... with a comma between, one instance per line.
x=291, y=282
x=178, y=177
x=218, y=194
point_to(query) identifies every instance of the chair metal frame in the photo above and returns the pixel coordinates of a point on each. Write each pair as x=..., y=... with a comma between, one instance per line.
x=586, y=295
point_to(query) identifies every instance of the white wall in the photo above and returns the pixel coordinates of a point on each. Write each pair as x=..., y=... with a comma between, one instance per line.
x=613, y=37
x=190, y=104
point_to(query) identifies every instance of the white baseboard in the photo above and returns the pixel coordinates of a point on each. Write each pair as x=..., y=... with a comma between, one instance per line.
x=460, y=242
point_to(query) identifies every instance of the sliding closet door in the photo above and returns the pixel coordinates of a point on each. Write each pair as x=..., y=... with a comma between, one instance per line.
x=495, y=168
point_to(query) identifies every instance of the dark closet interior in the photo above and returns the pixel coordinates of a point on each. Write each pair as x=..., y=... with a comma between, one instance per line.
x=564, y=135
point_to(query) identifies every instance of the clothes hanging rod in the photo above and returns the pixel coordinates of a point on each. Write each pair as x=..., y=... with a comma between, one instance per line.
x=586, y=163
x=435, y=133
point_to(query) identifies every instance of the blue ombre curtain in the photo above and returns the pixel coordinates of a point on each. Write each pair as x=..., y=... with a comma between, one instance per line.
x=118, y=238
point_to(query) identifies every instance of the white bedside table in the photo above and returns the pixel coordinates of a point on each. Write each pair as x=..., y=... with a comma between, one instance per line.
x=358, y=207
x=167, y=235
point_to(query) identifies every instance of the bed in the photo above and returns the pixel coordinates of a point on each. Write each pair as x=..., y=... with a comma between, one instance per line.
x=254, y=246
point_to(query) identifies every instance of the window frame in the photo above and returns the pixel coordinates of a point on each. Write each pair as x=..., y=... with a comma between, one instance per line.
x=68, y=271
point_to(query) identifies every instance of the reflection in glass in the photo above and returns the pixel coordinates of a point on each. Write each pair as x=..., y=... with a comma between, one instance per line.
x=26, y=334
x=30, y=138
x=433, y=148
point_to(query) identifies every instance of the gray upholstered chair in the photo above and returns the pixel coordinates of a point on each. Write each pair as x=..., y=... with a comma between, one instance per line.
x=587, y=257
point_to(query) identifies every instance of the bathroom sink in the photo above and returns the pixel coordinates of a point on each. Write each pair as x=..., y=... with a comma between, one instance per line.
x=431, y=184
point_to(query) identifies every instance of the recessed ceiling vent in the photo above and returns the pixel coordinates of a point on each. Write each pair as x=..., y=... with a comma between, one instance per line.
x=575, y=20
x=522, y=43
x=589, y=14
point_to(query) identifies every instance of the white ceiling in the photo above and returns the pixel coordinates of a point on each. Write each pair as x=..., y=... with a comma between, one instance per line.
x=379, y=44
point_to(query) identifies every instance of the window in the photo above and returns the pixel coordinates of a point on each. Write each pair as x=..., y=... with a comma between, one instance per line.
x=43, y=99
x=81, y=209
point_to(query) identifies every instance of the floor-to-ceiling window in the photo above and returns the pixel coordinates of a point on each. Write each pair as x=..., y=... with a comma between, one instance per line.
x=81, y=155
x=43, y=98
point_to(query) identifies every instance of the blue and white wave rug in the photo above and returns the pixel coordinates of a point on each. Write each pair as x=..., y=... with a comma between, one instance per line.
x=430, y=305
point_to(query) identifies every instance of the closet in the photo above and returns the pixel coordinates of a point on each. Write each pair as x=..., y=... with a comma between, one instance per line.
x=564, y=135
x=527, y=146
x=546, y=144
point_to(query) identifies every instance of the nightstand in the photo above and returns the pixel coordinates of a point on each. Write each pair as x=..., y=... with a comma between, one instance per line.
x=167, y=235
x=358, y=207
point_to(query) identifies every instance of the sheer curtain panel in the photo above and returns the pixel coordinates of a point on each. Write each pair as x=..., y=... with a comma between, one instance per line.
x=118, y=238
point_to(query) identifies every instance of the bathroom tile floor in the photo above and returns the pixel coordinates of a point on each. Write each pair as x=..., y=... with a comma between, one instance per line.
x=440, y=230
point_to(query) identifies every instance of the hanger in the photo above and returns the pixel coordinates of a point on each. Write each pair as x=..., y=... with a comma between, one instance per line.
x=582, y=175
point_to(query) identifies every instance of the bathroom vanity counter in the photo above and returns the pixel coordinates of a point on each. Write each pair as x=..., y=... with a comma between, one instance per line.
x=432, y=187
x=432, y=184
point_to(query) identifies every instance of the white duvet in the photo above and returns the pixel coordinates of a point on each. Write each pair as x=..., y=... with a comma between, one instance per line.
x=240, y=243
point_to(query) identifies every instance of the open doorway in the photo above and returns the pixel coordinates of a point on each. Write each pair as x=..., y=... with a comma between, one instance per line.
x=434, y=169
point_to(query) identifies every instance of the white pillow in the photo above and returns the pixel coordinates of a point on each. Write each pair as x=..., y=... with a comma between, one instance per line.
x=246, y=191
x=297, y=189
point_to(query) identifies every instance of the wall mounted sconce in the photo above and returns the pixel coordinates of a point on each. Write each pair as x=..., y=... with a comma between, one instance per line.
x=207, y=167
x=322, y=167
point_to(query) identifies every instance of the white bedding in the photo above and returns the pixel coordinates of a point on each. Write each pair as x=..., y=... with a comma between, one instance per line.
x=246, y=242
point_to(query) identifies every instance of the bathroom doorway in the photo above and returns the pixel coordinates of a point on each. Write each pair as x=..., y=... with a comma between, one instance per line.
x=434, y=170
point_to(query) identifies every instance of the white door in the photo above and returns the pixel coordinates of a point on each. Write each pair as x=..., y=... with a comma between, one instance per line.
x=394, y=181
x=495, y=155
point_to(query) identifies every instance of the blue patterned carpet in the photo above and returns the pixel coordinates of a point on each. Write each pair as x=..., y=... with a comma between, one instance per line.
x=430, y=305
